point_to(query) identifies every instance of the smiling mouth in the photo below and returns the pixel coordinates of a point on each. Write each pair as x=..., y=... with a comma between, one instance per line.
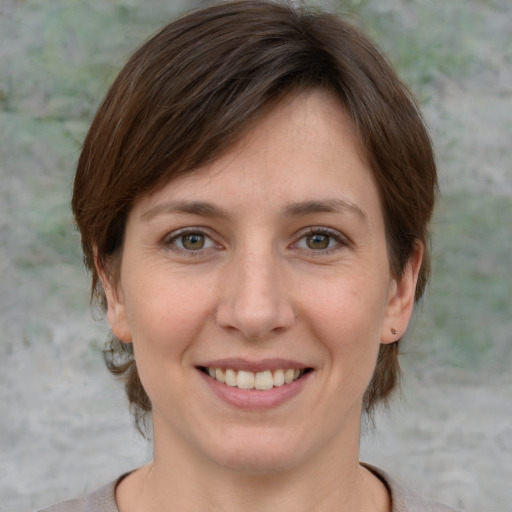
x=261, y=381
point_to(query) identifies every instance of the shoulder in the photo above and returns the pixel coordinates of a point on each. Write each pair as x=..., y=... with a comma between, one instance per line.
x=404, y=499
x=102, y=500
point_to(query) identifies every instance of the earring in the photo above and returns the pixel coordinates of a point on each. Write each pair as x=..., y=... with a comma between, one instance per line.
x=393, y=331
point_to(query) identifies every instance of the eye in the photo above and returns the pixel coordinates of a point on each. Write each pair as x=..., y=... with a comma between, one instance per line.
x=320, y=240
x=192, y=242
x=189, y=241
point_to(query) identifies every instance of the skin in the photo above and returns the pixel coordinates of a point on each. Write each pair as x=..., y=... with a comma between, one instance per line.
x=262, y=286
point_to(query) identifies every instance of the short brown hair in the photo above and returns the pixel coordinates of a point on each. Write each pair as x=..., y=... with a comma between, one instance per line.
x=193, y=90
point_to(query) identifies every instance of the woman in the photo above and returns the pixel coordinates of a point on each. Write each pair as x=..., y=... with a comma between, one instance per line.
x=254, y=197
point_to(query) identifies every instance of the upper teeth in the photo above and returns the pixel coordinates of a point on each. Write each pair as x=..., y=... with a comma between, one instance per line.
x=249, y=380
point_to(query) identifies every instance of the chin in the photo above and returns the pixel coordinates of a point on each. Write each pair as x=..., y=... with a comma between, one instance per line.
x=256, y=463
x=264, y=454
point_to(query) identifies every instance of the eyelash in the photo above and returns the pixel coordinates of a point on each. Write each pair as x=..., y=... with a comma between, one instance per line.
x=341, y=240
x=171, y=238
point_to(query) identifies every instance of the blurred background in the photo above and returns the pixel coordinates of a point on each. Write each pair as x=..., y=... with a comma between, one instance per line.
x=64, y=424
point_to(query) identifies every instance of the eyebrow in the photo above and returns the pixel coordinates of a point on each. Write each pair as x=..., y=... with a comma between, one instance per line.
x=203, y=209
x=296, y=209
x=335, y=205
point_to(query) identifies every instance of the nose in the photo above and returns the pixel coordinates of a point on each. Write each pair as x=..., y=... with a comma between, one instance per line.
x=255, y=301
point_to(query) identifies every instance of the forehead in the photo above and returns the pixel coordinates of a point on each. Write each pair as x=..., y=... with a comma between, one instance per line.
x=305, y=147
x=311, y=122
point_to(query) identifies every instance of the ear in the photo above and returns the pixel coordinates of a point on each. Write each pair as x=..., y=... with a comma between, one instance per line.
x=116, y=309
x=401, y=299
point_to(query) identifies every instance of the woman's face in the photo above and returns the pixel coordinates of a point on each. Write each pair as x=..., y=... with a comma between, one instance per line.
x=268, y=265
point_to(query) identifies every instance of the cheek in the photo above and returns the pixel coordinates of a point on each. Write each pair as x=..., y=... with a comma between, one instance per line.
x=346, y=318
x=165, y=321
x=165, y=314
x=347, y=305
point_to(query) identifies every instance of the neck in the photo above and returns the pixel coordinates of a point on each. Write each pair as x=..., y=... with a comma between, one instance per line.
x=330, y=480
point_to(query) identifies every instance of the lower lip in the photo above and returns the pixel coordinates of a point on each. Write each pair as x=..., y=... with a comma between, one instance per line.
x=253, y=399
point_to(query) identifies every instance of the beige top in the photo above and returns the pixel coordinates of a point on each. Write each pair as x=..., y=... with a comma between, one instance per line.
x=402, y=499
